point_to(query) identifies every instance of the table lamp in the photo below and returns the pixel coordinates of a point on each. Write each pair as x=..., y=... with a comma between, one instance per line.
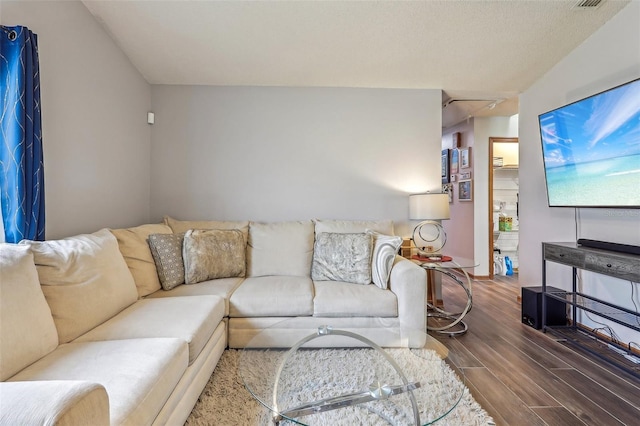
x=429, y=235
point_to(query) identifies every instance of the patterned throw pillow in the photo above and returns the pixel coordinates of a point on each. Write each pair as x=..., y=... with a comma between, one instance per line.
x=342, y=257
x=211, y=254
x=167, y=254
x=385, y=248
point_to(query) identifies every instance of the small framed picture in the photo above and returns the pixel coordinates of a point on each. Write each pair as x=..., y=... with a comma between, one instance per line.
x=445, y=166
x=466, y=175
x=465, y=190
x=465, y=158
x=447, y=188
x=454, y=162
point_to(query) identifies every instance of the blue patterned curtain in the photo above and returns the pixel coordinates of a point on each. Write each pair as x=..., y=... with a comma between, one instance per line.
x=21, y=165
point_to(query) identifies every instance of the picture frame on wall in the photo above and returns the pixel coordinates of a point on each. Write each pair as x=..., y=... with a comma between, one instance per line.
x=454, y=162
x=465, y=175
x=447, y=188
x=465, y=190
x=465, y=158
x=445, y=166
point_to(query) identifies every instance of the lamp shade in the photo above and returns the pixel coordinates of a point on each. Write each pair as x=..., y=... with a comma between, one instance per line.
x=428, y=206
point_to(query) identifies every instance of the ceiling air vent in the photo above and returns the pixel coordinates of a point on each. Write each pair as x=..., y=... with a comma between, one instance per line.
x=587, y=4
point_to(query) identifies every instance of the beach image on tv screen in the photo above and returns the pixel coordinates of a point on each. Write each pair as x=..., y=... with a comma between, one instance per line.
x=591, y=150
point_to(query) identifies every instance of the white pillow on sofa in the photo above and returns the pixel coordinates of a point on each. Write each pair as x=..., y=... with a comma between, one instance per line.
x=385, y=248
x=27, y=330
x=85, y=280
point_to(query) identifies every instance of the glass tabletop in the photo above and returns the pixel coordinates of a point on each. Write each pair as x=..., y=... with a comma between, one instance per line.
x=447, y=262
x=342, y=376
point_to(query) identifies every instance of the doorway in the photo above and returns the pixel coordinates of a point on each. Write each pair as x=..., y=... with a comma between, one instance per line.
x=503, y=206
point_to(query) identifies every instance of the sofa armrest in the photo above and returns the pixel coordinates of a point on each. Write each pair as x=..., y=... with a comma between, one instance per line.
x=55, y=402
x=409, y=283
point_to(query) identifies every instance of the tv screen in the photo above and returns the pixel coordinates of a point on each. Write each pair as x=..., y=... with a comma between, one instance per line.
x=591, y=150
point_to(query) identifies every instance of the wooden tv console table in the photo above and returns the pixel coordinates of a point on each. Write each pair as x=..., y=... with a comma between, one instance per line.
x=618, y=265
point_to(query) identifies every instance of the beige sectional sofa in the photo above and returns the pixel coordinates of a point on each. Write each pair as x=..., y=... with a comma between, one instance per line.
x=89, y=335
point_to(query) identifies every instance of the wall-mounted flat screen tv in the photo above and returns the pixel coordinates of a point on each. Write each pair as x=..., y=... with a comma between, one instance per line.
x=591, y=150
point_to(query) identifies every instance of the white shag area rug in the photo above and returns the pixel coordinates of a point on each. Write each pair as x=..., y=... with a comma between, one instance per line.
x=225, y=400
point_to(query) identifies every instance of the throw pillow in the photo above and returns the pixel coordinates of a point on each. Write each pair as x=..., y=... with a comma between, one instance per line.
x=385, y=248
x=211, y=254
x=167, y=254
x=342, y=257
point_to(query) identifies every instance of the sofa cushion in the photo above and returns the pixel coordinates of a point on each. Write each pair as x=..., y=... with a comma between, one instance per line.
x=354, y=226
x=282, y=296
x=282, y=248
x=27, y=330
x=385, y=248
x=138, y=374
x=85, y=280
x=342, y=257
x=222, y=287
x=135, y=250
x=192, y=319
x=166, y=250
x=340, y=299
x=182, y=226
x=214, y=253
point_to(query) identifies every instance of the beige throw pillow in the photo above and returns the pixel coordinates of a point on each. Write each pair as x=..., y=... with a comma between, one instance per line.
x=342, y=257
x=385, y=248
x=84, y=279
x=167, y=254
x=213, y=254
x=135, y=249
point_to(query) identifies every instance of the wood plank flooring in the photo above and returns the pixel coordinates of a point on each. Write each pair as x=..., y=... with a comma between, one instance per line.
x=522, y=376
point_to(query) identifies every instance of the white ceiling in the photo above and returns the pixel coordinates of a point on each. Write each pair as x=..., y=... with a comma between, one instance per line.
x=471, y=49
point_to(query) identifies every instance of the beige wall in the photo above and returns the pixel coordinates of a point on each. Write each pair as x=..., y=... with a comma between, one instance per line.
x=270, y=154
x=95, y=136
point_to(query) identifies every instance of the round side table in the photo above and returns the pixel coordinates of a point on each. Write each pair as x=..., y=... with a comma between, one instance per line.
x=453, y=321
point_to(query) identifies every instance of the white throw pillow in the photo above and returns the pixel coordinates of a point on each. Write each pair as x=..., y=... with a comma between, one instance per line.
x=342, y=257
x=385, y=248
x=27, y=331
x=85, y=280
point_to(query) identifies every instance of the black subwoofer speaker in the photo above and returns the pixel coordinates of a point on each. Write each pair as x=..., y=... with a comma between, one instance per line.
x=532, y=307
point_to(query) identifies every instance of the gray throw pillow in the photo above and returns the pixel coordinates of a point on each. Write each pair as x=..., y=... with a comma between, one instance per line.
x=342, y=257
x=385, y=248
x=211, y=254
x=166, y=250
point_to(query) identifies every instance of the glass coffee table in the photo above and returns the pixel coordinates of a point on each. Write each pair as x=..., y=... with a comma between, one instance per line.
x=331, y=375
